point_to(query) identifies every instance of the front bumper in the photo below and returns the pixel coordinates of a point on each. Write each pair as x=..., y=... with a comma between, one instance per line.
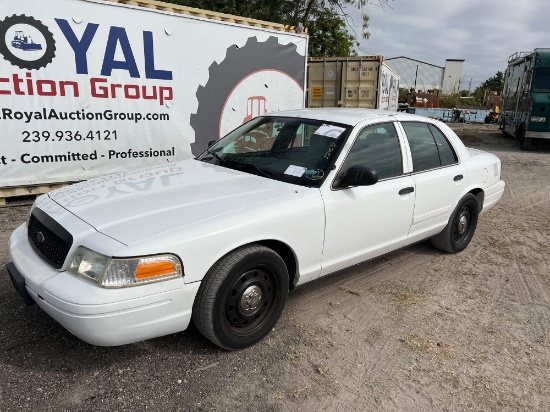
x=100, y=316
x=537, y=135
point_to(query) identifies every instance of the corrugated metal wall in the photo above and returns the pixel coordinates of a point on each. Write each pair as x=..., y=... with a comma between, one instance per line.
x=429, y=76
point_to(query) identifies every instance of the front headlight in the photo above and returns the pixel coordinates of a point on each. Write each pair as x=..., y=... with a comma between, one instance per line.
x=121, y=272
x=88, y=263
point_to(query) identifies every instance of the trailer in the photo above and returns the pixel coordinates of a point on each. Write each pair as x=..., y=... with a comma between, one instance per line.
x=362, y=82
x=526, y=97
x=93, y=87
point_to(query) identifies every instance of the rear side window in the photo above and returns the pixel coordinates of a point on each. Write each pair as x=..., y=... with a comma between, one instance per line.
x=446, y=153
x=429, y=147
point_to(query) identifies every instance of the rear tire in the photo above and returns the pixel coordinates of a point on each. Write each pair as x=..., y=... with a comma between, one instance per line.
x=461, y=226
x=242, y=297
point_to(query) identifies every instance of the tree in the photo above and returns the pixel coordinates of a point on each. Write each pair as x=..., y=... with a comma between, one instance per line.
x=329, y=36
x=495, y=83
x=492, y=84
x=325, y=20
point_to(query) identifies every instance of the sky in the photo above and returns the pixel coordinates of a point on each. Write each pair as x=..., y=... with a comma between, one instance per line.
x=483, y=33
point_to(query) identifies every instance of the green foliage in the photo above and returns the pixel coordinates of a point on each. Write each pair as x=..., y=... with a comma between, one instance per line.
x=449, y=101
x=269, y=10
x=325, y=25
x=492, y=84
x=325, y=20
x=454, y=100
x=495, y=83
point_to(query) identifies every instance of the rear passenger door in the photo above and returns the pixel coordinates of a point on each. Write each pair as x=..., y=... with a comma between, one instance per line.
x=439, y=178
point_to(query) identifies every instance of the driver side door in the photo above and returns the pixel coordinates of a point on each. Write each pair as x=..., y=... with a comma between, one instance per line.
x=367, y=221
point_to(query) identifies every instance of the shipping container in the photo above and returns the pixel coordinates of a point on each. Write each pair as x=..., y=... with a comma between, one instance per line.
x=367, y=82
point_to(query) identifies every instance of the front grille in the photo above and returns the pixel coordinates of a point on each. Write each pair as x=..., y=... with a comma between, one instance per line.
x=48, y=238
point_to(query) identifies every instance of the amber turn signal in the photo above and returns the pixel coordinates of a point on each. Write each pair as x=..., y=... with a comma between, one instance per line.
x=147, y=270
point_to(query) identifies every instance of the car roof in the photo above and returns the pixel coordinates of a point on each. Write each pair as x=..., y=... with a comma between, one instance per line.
x=337, y=114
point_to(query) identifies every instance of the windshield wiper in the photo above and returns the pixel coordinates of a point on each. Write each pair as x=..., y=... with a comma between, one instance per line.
x=217, y=156
x=241, y=165
x=249, y=166
x=264, y=172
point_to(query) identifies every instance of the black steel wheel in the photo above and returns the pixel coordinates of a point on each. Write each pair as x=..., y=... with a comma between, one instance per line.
x=461, y=226
x=242, y=297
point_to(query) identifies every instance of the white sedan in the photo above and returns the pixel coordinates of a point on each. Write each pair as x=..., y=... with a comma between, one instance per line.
x=220, y=239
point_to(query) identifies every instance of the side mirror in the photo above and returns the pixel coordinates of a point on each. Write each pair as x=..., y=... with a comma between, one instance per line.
x=360, y=176
x=212, y=143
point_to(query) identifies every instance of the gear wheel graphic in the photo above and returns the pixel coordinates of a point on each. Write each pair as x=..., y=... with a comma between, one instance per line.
x=223, y=77
x=43, y=61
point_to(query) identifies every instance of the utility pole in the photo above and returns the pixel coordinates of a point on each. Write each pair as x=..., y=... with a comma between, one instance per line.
x=470, y=86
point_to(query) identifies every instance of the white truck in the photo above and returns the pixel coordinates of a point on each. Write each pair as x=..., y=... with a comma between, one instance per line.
x=90, y=87
x=367, y=82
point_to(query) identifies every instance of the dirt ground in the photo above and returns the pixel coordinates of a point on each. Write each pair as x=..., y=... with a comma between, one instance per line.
x=415, y=330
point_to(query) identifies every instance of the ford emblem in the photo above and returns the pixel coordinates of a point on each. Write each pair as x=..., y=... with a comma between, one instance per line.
x=40, y=237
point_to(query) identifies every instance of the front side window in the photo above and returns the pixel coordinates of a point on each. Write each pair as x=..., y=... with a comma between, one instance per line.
x=541, y=80
x=429, y=147
x=376, y=146
x=294, y=150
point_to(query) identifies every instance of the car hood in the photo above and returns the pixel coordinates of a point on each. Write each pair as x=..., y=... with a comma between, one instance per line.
x=134, y=206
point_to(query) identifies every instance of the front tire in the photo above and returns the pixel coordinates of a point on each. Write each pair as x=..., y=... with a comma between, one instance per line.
x=461, y=227
x=242, y=297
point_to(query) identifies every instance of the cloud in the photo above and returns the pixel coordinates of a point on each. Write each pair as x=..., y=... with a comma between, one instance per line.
x=484, y=34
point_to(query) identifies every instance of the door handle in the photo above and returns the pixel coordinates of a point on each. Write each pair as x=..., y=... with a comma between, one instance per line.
x=458, y=177
x=406, y=190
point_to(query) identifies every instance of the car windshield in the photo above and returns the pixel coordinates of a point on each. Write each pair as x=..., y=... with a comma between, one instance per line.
x=294, y=150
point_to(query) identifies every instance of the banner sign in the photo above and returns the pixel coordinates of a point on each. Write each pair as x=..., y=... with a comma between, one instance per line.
x=389, y=88
x=90, y=87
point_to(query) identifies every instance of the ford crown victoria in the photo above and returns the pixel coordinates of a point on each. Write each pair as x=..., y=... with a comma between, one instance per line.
x=220, y=239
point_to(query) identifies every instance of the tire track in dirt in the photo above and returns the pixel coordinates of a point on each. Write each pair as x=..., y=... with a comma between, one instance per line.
x=387, y=365
x=517, y=292
x=371, y=296
x=528, y=198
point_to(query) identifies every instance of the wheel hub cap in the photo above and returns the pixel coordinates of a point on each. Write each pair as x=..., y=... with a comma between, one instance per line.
x=251, y=299
x=462, y=224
